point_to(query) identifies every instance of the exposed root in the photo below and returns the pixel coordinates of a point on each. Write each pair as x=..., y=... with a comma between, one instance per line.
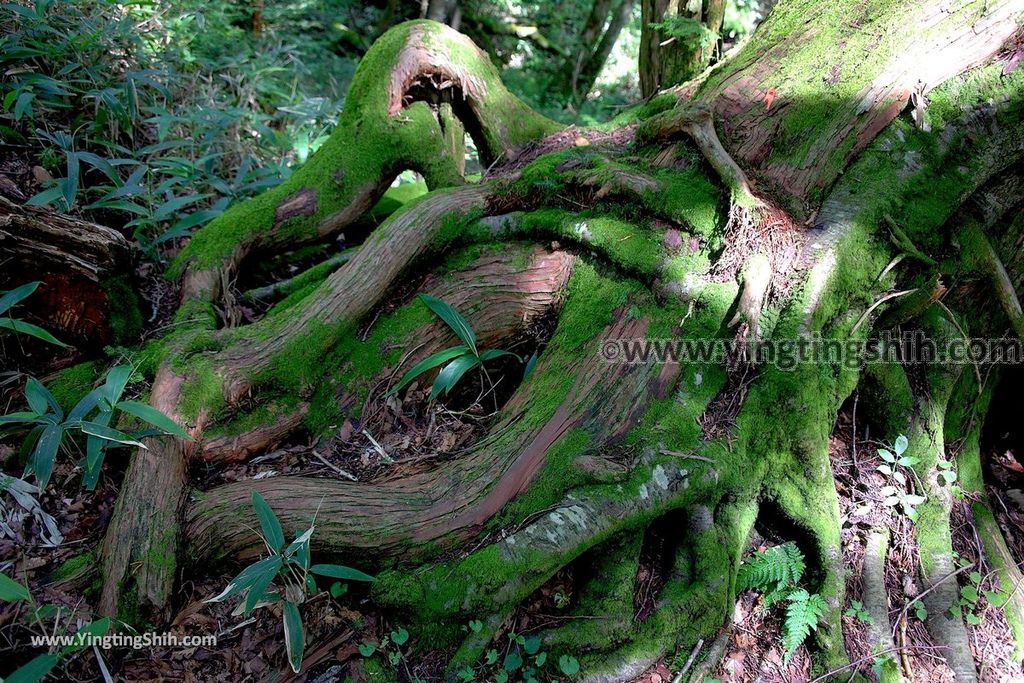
x=992, y=265
x=1005, y=569
x=275, y=289
x=927, y=442
x=876, y=602
x=241, y=447
x=455, y=499
x=415, y=90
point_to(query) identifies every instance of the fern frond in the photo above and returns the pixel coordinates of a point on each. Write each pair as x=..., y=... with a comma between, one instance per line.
x=802, y=616
x=772, y=571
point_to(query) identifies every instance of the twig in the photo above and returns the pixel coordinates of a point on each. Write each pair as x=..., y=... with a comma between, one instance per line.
x=856, y=396
x=688, y=456
x=377, y=447
x=878, y=303
x=334, y=467
x=689, y=662
x=871, y=657
x=928, y=590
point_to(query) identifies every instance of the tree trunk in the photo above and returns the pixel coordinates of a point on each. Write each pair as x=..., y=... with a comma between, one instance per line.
x=678, y=38
x=587, y=73
x=778, y=237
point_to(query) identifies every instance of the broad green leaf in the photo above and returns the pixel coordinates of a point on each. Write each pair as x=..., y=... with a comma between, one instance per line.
x=36, y=670
x=22, y=327
x=491, y=354
x=95, y=629
x=46, y=197
x=257, y=591
x=110, y=434
x=886, y=455
x=149, y=414
x=37, y=396
x=299, y=548
x=249, y=576
x=569, y=665
x=10, y=298
x=271, y=527
x=901, y=444
x=452, y=373
x=337, y=571
x=117, y=380
x=95, y=451
x=23, y=105
x=294, y=639
x=513, y=660
x=428, y=363
x=453, y=319
x=11, y=590
x=84, y=406
x=399, y=637
x=45, y=453
x=19, y=417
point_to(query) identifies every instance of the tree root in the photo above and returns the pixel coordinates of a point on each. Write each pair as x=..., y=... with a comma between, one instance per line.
x=934, y=538
x=876, y=603
x=989, y=262
x=416, y=89
x=456, y=498
x=696, y=122
x=1001, y=561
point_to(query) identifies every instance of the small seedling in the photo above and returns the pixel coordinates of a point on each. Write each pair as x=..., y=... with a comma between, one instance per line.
x=291, y=566
x=458, y=360
x=895, y=491
x=857, y=611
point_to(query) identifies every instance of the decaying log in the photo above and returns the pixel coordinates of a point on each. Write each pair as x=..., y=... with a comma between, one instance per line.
x=82, y=265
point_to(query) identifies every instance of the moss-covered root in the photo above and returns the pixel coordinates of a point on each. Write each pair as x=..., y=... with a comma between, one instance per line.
x=997, y=553
x=413, y=92
x=140, y=549
x=980, y=253
x=604, y=601
x=926, y=441
x=475, y=644
x=811, y=502
x=876, y=602
x=697, y=598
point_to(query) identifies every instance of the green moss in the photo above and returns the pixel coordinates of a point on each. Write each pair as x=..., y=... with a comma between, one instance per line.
x=125, y=318
x=75, y=565
x=340, y=170
x=69, y=385
x=558, y=474
x=201, y=391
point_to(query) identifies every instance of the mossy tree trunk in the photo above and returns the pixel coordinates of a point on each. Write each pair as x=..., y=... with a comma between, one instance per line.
x=664, y=232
